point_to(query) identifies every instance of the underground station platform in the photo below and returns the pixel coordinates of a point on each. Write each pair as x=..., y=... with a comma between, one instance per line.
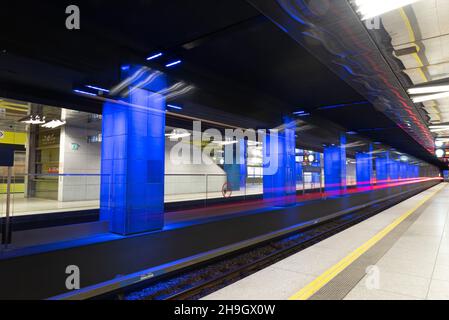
x=232, y=157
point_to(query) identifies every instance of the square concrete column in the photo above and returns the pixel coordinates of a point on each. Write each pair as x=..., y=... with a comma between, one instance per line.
x=279, y=172
x=236, y=165
x=335, y=167
x=364, y=168
x=382, y=164
x=132, y=163
x=393, y=170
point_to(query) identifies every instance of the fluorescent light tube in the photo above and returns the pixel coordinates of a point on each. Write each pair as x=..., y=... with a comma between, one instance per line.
x=53, y=124
x=439, y=129
x=424, y=90
x=428, y=97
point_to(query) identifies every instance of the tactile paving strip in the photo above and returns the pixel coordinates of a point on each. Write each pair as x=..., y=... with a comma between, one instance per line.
x=339, y=287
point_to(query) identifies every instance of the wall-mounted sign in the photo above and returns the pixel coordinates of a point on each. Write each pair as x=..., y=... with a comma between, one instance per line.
x=308, y=168
x=75, y=146
x=53, y=170
x=48, y=139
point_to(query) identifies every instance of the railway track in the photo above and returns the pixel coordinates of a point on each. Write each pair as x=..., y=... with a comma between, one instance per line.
x=201, y=280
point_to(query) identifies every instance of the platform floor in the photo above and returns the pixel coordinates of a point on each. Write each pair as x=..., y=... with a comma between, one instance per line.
x=401, y=253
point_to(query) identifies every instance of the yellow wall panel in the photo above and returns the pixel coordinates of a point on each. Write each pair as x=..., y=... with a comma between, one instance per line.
x=7, y=137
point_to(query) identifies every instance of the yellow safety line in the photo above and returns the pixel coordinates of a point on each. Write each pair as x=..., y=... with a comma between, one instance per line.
x=314, y=286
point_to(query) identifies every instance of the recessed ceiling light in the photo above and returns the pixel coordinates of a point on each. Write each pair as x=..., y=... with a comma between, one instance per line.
x=53, y=124
x=369, y=9
x=33, y=119
x=439, y=153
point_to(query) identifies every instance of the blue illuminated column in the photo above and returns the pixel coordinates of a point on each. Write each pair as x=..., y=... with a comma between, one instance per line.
x=409, y=171
x=402, y=170
x=335, y=166
x=364, y=169
x=279, y=172
x=132, y=163
x=416, y=171
x=382, y=164
x=393, y=169
x=236, y=167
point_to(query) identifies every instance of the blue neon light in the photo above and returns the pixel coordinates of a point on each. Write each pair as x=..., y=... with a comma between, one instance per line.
x=348, y=69
x=174, y=107
x=97, y=88
x=299, y=112
x=171, y=64
x=84, y=92
x=155, y=56
x=125, y=68
x=342, y=105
